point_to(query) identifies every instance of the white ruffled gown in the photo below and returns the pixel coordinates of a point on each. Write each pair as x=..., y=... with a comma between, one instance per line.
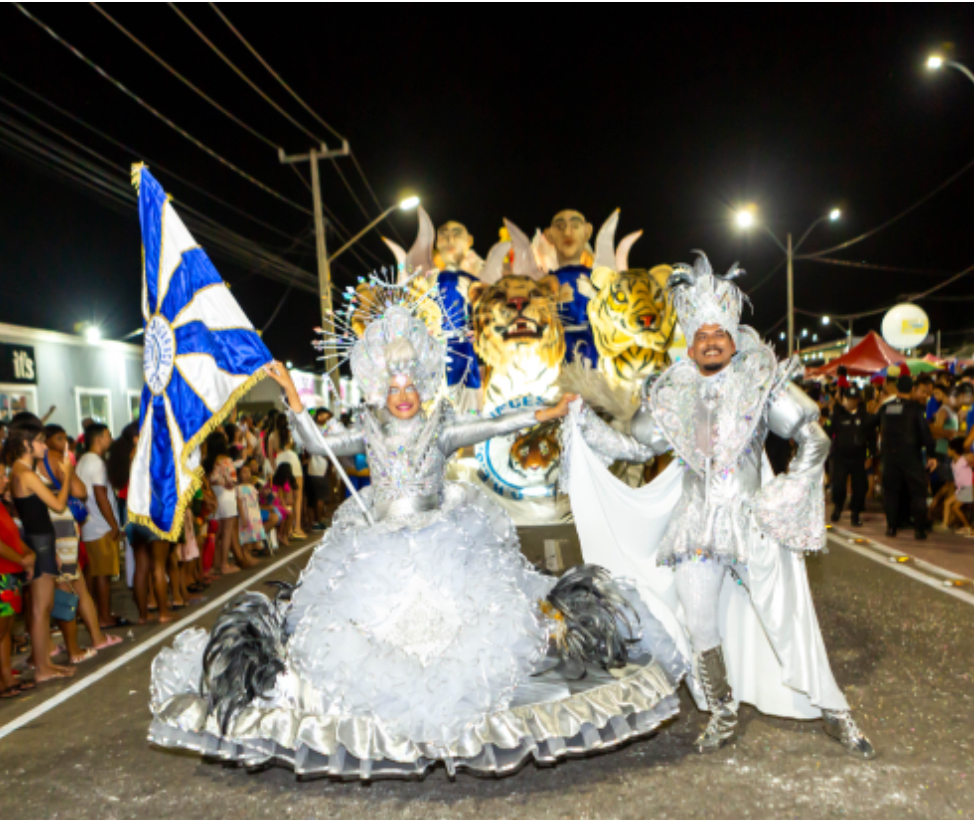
x=419, y=638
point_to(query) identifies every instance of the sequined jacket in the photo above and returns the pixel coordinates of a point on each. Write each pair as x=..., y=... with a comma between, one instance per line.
x=716, y=427
x=407, y=458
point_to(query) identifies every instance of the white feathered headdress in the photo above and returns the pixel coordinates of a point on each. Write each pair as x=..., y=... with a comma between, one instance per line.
x=701, y=297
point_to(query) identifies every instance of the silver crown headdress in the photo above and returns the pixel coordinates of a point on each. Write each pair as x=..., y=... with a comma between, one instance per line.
x=701, y=297
x=397, y=345
x=398, y=348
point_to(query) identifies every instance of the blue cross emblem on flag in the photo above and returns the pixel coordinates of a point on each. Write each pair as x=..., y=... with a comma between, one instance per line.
x=200, y=355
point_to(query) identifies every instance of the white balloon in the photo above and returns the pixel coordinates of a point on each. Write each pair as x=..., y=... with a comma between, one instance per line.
x=905, y=326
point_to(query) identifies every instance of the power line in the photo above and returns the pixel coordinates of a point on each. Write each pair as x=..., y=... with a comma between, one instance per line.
x=868, y=266
x=765, y=280
x=132, y=151
x=314, y=114
x=116, y=187
x=896, y=218
x=166, y=65
x=181, y=78
x=157, y=114
x=240, y=73
x=274, y=74
x=910, y=297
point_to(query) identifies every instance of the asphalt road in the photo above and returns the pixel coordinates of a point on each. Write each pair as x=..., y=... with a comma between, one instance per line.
x=903, y=651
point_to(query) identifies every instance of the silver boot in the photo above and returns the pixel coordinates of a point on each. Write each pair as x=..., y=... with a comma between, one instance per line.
x=841, y=727
x=712, y=674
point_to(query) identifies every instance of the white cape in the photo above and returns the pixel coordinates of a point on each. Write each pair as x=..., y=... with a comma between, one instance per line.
x=773, y=647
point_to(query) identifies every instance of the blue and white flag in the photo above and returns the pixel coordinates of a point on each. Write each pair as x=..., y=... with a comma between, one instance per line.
x=200, y=355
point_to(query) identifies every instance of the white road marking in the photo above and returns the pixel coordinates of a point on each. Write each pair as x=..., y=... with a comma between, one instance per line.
x=142, y=648
x=905, y=569
x=926, y=566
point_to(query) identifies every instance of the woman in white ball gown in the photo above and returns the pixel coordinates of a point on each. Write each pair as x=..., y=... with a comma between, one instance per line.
x=417, y=633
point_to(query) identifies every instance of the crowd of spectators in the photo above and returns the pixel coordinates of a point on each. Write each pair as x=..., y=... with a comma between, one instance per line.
x=909, y=439
x=65, y=533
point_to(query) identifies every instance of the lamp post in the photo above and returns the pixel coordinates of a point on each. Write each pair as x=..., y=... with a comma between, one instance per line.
x=935, y=62
x=406, y=205
x=746, y=219
x=828, y=320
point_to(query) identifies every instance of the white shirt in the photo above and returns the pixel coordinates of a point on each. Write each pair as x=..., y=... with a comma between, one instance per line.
x=289, y=457
x=93, y=471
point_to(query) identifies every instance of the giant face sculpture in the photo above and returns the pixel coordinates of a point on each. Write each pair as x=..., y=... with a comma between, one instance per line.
x=453, y=243
x=569, y=233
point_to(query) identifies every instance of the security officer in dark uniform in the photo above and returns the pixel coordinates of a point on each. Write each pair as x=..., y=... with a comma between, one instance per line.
x=853, y=434
x=904, y=433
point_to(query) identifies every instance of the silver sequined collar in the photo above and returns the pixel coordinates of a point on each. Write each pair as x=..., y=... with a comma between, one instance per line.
x=739, y=394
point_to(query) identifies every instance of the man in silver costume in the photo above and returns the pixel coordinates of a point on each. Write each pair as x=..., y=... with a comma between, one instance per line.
x=714, y=412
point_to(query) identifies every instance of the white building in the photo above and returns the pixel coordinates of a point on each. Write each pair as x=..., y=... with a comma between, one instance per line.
x=40, y=369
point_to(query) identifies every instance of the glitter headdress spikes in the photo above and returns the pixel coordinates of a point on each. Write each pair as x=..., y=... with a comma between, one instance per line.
x=381, y=331
x=700, y=297
x=397, y=347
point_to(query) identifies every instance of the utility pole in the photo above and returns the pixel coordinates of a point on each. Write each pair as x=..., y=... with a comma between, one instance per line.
x=324, y=268
x=791, y=300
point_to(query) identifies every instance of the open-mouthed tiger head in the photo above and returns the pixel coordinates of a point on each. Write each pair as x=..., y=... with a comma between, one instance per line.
x=535, y=453
x=516, y=314
x=631, y=308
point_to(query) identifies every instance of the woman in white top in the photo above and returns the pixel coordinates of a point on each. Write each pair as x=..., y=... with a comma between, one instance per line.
x=287, y=455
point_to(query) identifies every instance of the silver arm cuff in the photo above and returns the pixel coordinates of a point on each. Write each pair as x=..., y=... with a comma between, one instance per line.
x=464, y=433
x=791, y=508
x=313, y=440
x=611, y=445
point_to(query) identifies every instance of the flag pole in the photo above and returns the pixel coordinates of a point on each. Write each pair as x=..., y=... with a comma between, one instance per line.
x=348, y=482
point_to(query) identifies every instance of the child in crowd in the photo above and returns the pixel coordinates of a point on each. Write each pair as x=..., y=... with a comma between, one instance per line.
x=274, y=497
x=248, y=510
x=223, y=481
x=961, y=464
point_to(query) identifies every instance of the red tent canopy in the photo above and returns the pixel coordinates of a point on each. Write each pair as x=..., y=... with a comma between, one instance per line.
x=870, y=356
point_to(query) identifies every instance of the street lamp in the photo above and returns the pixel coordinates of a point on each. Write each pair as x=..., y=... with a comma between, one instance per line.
x=935, y=62
x=406, y=205
x=746, y=219
x=93, y=335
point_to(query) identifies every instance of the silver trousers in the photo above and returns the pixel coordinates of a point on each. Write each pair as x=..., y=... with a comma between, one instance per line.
x=698, y=588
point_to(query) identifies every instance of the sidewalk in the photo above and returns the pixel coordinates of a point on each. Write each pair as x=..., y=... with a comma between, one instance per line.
x=942, y=549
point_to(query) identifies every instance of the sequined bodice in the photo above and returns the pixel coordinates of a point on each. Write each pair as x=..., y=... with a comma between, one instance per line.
x=404, y=461
x=715, y=418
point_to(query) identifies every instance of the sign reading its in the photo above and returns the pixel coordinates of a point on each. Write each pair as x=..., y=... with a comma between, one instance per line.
x=17, y=364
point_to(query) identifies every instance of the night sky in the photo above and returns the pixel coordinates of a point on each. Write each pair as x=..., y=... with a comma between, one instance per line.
x=677, y=115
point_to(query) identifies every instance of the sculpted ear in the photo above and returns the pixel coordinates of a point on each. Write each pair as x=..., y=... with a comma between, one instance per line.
x=476, y=292
x=588, y=231
x=601, y=277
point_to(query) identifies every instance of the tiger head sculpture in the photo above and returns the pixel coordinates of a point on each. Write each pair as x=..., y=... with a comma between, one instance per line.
x=517, y=315
x=535, y=454
x=517, y=330
x=630, y=312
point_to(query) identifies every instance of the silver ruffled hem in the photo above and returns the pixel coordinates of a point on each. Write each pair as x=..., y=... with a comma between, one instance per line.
x=598, y=713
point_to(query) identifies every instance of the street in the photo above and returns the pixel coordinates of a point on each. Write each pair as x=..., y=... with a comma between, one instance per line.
x=902, y=650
